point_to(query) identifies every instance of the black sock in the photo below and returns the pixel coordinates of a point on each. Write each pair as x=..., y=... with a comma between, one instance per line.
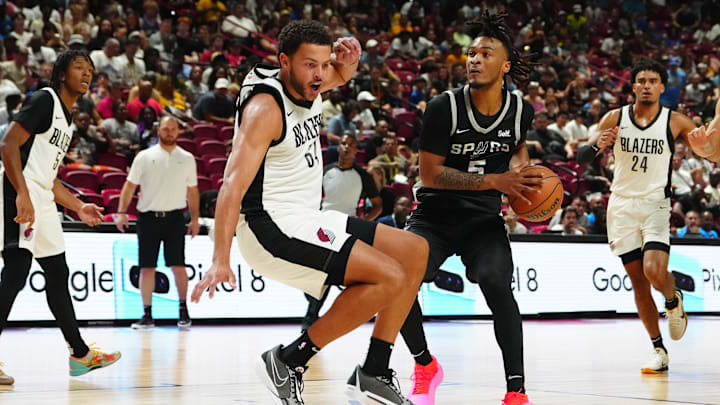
x=516, y=383
x=183, y=304
x=672, y=303
x=299, y=352
x=423, y=358
x=148, y=311
x=657, y=342
x=377, y=361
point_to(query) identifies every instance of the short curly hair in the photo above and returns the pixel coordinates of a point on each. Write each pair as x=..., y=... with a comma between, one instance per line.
x=650, y=65
x=300, y=32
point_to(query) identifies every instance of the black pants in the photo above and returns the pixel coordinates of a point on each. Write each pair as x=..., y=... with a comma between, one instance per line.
x=483, y=246
x=168, y=228
x=14, y=275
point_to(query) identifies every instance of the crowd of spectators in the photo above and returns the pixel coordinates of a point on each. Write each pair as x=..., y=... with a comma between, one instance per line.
x=188, y=59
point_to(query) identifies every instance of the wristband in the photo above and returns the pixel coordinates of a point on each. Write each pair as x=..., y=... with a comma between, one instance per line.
x=595, y=148
x=123, y=212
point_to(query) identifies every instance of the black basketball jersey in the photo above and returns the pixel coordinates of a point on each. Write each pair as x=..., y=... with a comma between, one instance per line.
x=473, y=143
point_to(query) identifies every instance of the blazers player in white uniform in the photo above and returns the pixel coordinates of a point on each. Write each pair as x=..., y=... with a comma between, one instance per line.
x=642, y=137
x=32, y=149
x=271, y=199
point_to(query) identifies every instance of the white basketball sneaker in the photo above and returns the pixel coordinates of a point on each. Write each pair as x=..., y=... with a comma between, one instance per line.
x=658, y=362
x=677, y=318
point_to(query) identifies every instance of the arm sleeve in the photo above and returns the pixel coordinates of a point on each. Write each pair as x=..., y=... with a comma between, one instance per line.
x=369, y=189
x=136, y=169
x=437, y=123
x=35, y=115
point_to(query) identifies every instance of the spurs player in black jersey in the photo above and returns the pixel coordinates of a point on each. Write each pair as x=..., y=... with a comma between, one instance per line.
x=32, y=149
x=271, y=200
x=642, y=137
x=472, y=148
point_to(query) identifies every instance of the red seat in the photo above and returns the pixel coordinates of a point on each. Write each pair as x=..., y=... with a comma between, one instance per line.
x=107, y=193
x=113, y=180
x=216, y=179
x=412, y=66
x=226, y=133
x=199, y=165
x=204, y=184
x=92, y=198
x=214, y=164
x=210, y=147
x=205, y=131
x=406, y=76
x=395, y=64
x=114, y=201
x=112, y=159
x=188, y=145
x=402, y=190
x=82, y=178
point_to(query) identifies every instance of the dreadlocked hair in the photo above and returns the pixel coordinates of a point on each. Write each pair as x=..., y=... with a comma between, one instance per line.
x=61, y=64
x=493, y=26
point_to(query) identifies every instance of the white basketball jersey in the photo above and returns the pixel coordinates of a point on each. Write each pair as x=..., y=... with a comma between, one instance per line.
x=290, y=177
x=643, y=157
x=47, y=149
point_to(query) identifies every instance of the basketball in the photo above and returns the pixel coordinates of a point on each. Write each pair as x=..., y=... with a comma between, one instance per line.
x=543, y=204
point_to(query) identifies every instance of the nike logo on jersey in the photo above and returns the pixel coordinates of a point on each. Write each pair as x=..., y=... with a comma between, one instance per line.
x=58, y=118
x=290, y=113
x=462, y=131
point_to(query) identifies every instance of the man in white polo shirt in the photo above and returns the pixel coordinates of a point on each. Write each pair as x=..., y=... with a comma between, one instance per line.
x=167, y=176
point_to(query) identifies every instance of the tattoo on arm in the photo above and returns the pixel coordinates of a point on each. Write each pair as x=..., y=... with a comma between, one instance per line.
x=457, y=180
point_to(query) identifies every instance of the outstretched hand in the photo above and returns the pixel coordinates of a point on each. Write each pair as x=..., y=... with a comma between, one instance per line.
x=347, y=50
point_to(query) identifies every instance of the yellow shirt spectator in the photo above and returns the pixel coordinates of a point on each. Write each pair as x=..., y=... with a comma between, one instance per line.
x=451, y=58
x=210, y=10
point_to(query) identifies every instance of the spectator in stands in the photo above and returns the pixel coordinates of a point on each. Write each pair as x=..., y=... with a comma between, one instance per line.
x=374, y=145
x=21, y=36
x=680, y=178
x=332, y=106
x=393, y=163
x=692, y=228
x=569, y=223
x=581, y=206
x=210, y=10
x=712, y=189
x=145, y=90
x=17, y=71
x=7, y=87
x=234, y=55
x=675, y=84
x=593, y=117
x=370, y=56
x=100, y=38
x=345, y=183
x=150, y=22
x=343, y=123
x=459, y=75
x=13, y=101
x=560, y=126
x=544, y=143
x=87, y=142
x=386, y=194
x=456, y=55
x=512, y=225
x=103, y=59
x=599, y=225
x=598, y=176
x=195, y=88
x=216, y=107
x=577, y=129
x=186, y=41
x=708, y=224
x=402, y=47
x=168, y=94
x=105, y=106
x=147, y=127
x=534, y=97
x=375, y=83
x=157, y=38
x=130, y=65
x=365, y=120
x=695, y=93
x=39, y=55
x=152, y=61
x=238, y=24
x=419, y=92
x=612, y=45
x=123, y=132
x=401, y=211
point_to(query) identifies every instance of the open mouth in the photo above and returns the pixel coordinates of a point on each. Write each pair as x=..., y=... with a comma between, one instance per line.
x=315, y=86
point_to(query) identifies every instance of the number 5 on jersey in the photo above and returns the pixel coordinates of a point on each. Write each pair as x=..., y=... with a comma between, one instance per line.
x=477, y=166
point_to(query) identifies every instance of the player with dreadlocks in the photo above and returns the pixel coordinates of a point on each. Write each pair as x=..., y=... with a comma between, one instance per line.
x=472, y=150
x=32, y=150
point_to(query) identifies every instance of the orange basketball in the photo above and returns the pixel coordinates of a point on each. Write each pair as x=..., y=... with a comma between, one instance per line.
x=543, y=204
